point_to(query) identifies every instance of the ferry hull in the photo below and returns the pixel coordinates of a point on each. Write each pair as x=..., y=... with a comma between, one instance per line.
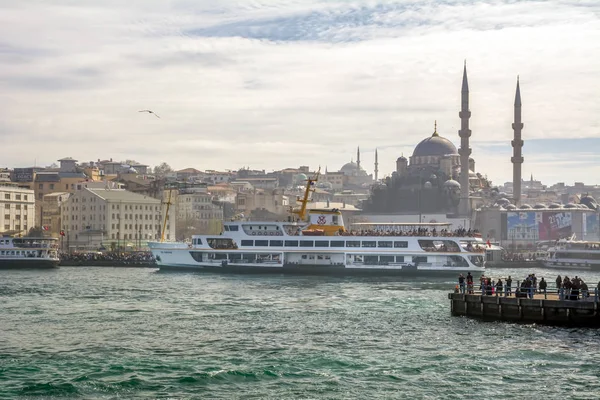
x=28, y=264
x=321, y=270
x=570, y=265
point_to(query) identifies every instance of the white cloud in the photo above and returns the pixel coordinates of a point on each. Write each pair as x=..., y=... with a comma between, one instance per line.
x=276, y=84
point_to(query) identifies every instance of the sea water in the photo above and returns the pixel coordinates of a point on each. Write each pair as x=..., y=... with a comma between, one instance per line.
x=108, y=333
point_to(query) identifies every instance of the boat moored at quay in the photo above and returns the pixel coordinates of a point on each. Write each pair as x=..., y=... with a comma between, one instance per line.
x=574, y=254
x=316, y=242
x=28, y=252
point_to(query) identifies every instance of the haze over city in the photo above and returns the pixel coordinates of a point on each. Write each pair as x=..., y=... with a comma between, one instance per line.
x=279, y=84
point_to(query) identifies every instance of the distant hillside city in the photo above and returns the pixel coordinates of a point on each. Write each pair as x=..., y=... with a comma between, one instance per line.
x=122, y=205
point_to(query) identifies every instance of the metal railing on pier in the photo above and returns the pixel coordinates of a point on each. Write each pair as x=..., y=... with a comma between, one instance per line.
x=531, y=292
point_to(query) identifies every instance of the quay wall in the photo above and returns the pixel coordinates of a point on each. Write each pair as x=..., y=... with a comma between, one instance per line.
x=573, y=313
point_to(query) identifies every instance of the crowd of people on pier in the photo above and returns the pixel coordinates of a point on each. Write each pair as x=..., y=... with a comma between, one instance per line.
x=567, y=289
x=138, y=257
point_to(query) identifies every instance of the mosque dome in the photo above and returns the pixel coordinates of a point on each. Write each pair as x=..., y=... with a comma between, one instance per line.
x=511, y=207
x=351, y=168
x=299, y=178
x=539, y=206
x=525, y=207
x=435, y=145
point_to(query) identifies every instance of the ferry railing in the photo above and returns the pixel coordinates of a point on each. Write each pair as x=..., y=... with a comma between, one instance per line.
x=559, y=293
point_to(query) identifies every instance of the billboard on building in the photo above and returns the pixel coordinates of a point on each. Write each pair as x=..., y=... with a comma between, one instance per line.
x=541, y=225
x=522, y=226
x=22, y=175
x=555, y=225
x=591, y=227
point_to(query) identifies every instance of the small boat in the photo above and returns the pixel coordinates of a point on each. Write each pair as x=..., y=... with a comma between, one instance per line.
x=28, y=252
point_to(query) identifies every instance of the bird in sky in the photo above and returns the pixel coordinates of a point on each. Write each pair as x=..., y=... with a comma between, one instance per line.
x=150, y=112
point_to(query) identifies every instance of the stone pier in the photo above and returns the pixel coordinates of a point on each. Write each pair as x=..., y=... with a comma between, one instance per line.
x=541, y=309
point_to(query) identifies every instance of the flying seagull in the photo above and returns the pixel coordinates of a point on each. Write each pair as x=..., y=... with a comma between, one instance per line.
x=150, y=112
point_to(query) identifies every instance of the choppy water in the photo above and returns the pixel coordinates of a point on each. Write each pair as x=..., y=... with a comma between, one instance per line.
x=137, y=333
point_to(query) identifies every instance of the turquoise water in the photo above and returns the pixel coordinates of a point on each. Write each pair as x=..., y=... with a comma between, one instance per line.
x=109, y=333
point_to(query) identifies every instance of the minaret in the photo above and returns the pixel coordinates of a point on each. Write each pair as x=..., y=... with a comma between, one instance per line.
x=465, y=150
x=358, y=159
x=376, y=165
x=517, y=144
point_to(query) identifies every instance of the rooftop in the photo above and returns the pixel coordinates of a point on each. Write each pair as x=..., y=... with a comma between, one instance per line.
x=122, y=195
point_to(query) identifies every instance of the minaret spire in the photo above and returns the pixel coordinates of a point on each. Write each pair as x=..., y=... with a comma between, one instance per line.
x=465, y=150
x=517, y=144
x=358, y=159
x=376, y=165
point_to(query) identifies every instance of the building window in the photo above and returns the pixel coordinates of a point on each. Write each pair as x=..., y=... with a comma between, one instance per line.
x=25, y=198
x=7, y=206
x=41, y=186
x=52, y=186
x=17, y=197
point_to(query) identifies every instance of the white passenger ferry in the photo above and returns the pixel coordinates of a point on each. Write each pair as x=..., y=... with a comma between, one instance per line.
x=28, y=252
x=321, y=245
x=574, y=254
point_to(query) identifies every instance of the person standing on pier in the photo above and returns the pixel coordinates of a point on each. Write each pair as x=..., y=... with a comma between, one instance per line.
x=499, y=287
x=543, y=285
x=461, y=283
x=508, y=286
x=470, y=283
x=558, y=284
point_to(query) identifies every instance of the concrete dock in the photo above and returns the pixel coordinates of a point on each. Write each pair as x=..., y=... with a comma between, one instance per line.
x=542, y=309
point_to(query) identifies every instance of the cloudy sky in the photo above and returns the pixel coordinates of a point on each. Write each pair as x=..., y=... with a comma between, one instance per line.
x=275, y=84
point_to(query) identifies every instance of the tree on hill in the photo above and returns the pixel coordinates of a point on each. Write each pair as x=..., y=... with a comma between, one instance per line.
x=162, y=169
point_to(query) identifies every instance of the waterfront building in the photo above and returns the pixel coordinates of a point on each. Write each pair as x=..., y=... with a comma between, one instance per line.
x=51, y=213
x=18, y=209
x=198, y=211
x=94, y=218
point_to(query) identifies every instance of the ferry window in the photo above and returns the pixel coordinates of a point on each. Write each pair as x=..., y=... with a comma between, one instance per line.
x=321, y=243
x=276, y=243
x=261, y=243
x=233, y=228
x=336, y=243
x=306, y=243
x=304, y=256
x=247, y=242
x=371, y=260
x=368, y=243
x=249, y=257
x=334, y=220
x=226, y=227
x=291, y=243
x=386, y=243
x=386, y=259
x=399, y=258
x=353, y=243
x=402, y=245
x=419, y=259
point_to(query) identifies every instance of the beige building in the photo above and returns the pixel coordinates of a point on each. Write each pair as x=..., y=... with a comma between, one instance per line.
x=273, y=201
x=51, y=212
x=114, y=219
x=18, y=206
x=196, y=213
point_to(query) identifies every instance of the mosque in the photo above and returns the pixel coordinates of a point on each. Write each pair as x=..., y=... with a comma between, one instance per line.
x=433, y=179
